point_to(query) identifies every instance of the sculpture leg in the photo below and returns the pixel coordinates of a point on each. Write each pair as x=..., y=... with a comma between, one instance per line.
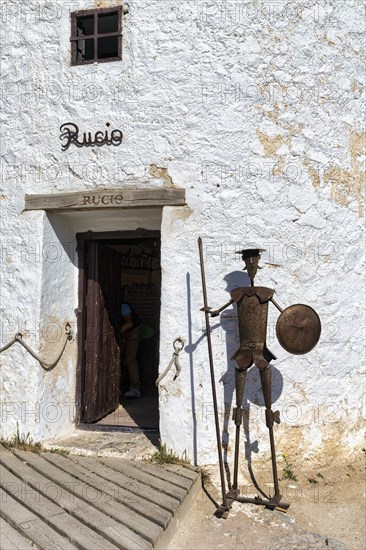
x=240, y=378
x=271, y=417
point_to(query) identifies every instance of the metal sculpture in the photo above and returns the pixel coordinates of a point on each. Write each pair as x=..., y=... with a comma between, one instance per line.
x=298, y=331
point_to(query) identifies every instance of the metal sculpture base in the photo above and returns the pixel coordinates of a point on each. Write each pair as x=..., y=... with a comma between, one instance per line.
x=273, y=503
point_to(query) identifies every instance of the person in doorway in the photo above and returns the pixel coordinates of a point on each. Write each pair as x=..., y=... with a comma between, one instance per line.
x=130, y=335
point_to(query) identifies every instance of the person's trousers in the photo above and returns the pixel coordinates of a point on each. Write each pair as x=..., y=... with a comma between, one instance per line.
x=130, y=346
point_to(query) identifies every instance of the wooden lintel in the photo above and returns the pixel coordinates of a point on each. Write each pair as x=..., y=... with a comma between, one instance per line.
x=106, y=198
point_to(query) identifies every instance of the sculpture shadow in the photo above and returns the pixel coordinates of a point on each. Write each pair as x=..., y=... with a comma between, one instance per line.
x=190, y=348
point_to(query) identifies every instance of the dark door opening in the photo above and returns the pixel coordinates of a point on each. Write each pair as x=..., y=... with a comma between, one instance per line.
x=108, y=264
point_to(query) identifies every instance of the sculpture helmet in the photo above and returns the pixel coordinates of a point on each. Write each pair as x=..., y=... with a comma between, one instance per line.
x=251, y=257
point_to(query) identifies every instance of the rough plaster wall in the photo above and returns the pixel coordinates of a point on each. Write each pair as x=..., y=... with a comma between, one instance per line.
x=21, y=268
x=56, y=391
x=256, y=108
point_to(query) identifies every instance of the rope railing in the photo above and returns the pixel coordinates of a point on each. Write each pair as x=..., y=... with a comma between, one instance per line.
x=43, y=362
x=178, y=345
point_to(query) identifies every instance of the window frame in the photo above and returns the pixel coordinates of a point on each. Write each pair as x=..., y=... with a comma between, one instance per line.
x=74, y=38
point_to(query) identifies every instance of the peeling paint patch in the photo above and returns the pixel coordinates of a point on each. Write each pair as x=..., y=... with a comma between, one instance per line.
x=278, y=168
x=104, y=4
x=346, y=186
x=162, y=173
x=357, y=87
x=314, y=175
x=270, y=144
x=328, y=40
x=357, y=142
x=274, y=115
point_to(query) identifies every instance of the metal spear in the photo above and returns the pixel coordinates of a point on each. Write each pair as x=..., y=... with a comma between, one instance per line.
x=206, y=309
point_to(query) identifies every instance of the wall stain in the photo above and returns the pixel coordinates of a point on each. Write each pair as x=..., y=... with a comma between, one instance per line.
x=274, y=115
x=357, y=87
x=328, y=40
x=314, y=175
x=348, y=185
x=278, y=168
x=104, y=4
x=345, y=186
x=162, y=173
x=294, y=439
x=270, y=144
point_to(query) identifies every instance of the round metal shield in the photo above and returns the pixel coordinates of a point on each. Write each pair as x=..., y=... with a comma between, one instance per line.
x=298, y=329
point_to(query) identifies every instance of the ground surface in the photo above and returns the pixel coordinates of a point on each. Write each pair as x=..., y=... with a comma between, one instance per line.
x=326, y=512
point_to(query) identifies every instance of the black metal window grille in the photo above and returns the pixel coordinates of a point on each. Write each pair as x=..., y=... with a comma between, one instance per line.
x=96, y=36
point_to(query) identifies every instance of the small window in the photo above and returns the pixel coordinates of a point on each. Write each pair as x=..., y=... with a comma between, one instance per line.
x=96, y=36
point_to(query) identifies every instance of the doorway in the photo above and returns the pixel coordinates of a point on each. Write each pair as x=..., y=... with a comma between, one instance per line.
x=111, y=265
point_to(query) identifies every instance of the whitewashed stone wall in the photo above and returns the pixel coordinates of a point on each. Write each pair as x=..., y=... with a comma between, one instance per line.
x=256, y=109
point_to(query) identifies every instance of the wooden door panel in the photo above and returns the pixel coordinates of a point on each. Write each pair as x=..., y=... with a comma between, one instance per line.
x=109, y=263
x=102, y=352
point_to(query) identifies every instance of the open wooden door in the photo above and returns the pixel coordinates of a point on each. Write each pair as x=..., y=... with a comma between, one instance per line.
x=100, y=384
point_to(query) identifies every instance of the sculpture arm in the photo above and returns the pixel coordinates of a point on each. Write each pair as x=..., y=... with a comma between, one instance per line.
x=276, y=304
x=217, y=312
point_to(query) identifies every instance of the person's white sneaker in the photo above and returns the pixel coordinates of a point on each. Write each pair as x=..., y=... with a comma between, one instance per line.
x=132, y=393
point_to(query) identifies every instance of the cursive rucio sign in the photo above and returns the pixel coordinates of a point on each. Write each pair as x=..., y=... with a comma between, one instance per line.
x=70, y=133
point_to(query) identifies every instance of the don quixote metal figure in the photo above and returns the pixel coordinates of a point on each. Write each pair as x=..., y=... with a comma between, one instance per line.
x=298, y=330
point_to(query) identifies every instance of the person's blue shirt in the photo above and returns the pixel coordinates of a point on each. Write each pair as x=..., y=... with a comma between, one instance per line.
x=125, y=310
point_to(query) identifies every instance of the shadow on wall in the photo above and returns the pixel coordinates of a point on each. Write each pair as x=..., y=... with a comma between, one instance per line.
x=189, y=349
x=63, y=240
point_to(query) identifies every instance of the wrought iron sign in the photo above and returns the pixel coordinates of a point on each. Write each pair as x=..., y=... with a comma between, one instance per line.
x=70, y=134
x=102, y=200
